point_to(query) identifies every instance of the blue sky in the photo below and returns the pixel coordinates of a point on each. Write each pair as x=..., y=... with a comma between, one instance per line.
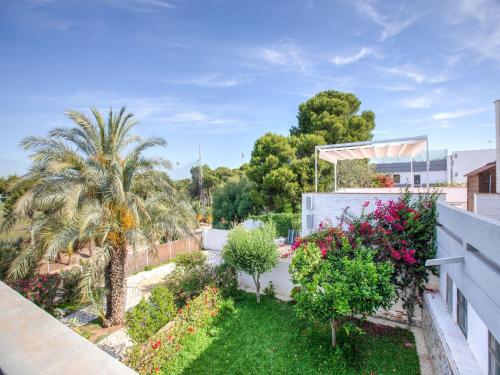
x=221, y=73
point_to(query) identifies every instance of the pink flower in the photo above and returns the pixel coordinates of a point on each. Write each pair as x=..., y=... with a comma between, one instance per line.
x=395, y=254
x=365, y=204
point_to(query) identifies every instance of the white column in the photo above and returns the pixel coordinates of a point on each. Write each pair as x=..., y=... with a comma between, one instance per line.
x=497, y=127
x=315, y=170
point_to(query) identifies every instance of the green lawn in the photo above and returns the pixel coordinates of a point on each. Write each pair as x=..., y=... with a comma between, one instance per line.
x=268, y=339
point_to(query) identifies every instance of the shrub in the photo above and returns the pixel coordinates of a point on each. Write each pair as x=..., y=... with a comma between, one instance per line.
x=188, y=282
x=69, y=285
x=252, y=251
x=269, y=291
x=192, y=259
x=149, y=316
x=9, y=250
x=282, y=221
x=340, y=283
x=197, y=314
x=40, y=289
x=226, y=280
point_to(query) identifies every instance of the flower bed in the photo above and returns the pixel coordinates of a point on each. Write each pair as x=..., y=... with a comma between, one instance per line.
x=164, y=345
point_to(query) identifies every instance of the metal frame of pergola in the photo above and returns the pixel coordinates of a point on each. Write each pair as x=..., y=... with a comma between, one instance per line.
x=369, y=150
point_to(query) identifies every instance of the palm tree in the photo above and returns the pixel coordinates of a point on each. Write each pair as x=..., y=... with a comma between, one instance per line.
x=93, y=183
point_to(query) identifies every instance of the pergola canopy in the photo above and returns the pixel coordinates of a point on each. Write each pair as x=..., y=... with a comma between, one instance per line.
x=373, y=149
x=409, y=147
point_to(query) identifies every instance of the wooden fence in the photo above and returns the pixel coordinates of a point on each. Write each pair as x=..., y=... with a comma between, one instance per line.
x=165, y=253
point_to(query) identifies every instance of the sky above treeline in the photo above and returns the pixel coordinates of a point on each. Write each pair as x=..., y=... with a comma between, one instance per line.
x=221, y=73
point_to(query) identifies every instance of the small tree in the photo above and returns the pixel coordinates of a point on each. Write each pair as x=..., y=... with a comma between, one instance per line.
x=339, y=284
x=252, y=251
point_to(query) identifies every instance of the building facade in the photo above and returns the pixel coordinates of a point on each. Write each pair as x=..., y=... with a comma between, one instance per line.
x=462, y=162
x=414, y=172
x=466, y=312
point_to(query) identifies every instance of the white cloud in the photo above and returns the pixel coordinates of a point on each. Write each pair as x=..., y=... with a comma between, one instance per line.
x=161, y=111
x=457, y=114
x=285, y=53
x=342, y=60
x=417, y=102
x=478, y=28
x=408, y=72
x=143, y=5
x=416, y=75
x=392, y=22
x=444, y=125
x=213, y=80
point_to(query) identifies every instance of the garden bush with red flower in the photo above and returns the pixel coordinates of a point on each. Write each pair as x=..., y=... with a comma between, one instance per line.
x=163, y=346
x=401, y=231
x=40, y=289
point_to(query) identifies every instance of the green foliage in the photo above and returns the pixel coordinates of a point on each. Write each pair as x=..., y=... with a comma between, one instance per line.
x=232, y=202
x=226, y=280
x=283, y=167
x=355, y=173
x=212, y=178
x=252, y=251
x=192, y=275
x=339, y=284
x=188, y=282
x=69, y=285
x=282, y=221
x=164, y=346
x=335, y=116
x=269, y=290
x=268, y=338
x=189, y=260
x=149, y=316
x=9, y=250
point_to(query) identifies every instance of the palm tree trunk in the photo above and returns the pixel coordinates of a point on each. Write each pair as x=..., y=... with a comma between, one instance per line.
x=91, y=248
x=117, y=287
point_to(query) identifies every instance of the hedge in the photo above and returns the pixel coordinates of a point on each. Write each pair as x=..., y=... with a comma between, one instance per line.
x=282, y=221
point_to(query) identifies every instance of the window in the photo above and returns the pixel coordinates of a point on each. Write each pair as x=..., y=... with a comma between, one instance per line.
x=462, y=312
x=396, y=178
x=449, y=293
x=416, y=180
x=493, y=355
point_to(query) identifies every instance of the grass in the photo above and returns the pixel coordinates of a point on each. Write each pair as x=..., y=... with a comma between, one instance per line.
x=269, y=339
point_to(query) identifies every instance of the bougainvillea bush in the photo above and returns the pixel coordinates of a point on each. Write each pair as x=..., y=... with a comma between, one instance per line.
x=401, y=232
x=40, y=289
x=163, y=346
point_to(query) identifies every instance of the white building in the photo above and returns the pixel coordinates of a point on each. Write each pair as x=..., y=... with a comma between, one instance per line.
x=462, y=162
x=403, y=169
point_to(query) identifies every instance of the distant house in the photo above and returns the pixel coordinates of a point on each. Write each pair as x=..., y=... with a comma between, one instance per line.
x=480, y=180
x=403, y=169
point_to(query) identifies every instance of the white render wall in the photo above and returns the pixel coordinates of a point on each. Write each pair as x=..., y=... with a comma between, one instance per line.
x=477, y=239
x=487, y=205
x=462, y=162
x=330, y=206
x=435, y=177
x=214, y=239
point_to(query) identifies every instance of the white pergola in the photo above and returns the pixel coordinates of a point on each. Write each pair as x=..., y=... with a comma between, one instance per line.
x=369, y=150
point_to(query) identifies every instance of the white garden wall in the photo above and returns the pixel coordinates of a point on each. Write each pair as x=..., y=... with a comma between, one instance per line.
x=214, y=239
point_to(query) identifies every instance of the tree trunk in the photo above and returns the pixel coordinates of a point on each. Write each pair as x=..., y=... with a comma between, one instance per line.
x=107, y=286
x=117, y=284
x=256, y=280
x=334, y=333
